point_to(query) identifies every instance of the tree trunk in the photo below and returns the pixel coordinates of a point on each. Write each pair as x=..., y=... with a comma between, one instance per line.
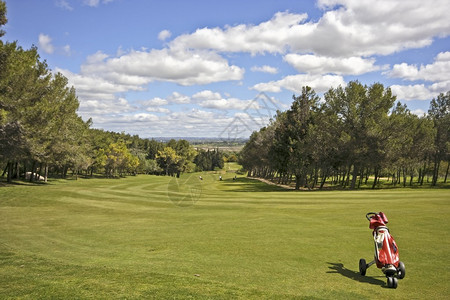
x=446, y=172
x=324, y=178
x=33, y=166
x=354, y=176
x=361, y=175
x=404, y=177
x=298, y=181
x=376, y=178
x=45, y=173
x=9, y=176
x=5, y=171
x=435, y=170
x=424, y=171
x=18, y=170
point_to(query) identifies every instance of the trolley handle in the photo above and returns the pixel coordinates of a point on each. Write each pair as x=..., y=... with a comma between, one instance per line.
x=370, y=215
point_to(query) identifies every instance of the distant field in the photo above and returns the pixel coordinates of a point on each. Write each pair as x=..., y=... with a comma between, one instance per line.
x=155, y=237
x=227, y=148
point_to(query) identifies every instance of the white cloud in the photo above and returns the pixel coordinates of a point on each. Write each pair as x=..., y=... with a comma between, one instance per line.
x=356, y=28
x=229, y=104
x=295, y=83
x=315, y=64
x=265, y=69
x=178, y=98
x=419, y=112
x=45, y=43
x=142, y=117
x=92, y=84
x=188, y=67
x=67, y=51
x=158, y=109
x=206, y=95
x=440, y=87
x=156, y=102
x=270, y=36
x=164, y=35
x=154, y=105
x=437, y=71
x=95, y=3
x=104, y=107
x=63, y=4
x=412, y=92
x=92, y=3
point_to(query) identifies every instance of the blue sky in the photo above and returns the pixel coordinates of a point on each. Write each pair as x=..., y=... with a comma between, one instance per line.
x=207, y=68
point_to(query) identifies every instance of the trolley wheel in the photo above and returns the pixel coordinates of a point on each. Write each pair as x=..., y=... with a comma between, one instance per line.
x=362, y=266
x=401, y=270
x=392, y=282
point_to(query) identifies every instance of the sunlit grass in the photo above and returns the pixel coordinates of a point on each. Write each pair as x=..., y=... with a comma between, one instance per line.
x=131, y=238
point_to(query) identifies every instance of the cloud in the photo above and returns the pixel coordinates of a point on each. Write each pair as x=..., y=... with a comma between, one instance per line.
x=314, y=64
x=158, y=109
x=270, y=36
x=63, y=4
x=265, y=69
x=45, y=43
x=206, y=95
x=92, y=84
x=348, y=28
x=437, y=71
x=156, y=102
x=66, y=50
x=228, y=104
x=104, y=107
x=419, y=112
x=178, y=98
x=295, y=83
x=412, y=92
x=95, y=3
x=164, y=35
x=185, y=67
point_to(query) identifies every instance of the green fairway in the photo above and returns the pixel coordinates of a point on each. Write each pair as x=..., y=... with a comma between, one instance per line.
x=156, y=237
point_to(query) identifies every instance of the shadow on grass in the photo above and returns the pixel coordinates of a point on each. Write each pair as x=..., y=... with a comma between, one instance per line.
x=20, y=182
x=339, y=268
x=243, y=184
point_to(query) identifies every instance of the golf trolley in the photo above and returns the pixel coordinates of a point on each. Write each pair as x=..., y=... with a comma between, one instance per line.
x=386, y=251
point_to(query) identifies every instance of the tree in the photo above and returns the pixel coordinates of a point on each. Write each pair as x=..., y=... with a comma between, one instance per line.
x=209, y=160
x=439, y=113
x=168, y=160
x=23, y=81
x=119, y=158
x=153, y=148
x=363, y=113
x=300, y=120
x=3, y=19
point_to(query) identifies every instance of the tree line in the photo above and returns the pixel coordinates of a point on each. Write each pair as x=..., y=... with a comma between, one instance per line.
x=41, y=132
x=352, y=135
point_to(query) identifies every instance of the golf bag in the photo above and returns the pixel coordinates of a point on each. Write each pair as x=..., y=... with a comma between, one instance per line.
x=386, y=250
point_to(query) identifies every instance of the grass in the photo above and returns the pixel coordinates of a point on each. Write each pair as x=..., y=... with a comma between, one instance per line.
x=153, y=237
